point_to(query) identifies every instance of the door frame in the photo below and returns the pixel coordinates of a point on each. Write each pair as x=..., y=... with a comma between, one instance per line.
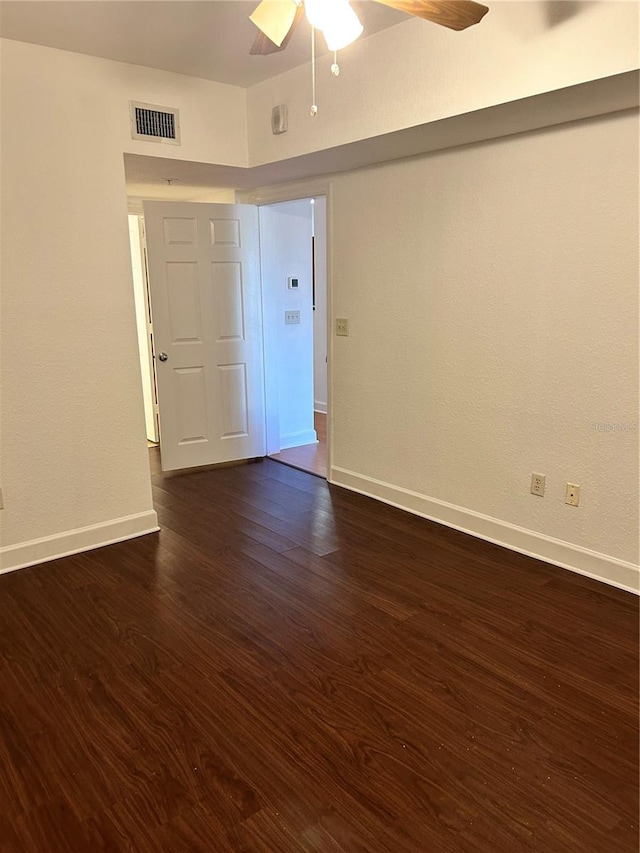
x=275, y=194
x=150, y=365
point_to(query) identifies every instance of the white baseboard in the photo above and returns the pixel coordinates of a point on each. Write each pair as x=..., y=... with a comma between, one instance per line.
x=581, y=560
x=297, y=439
x=320, y=407
x=48, y=548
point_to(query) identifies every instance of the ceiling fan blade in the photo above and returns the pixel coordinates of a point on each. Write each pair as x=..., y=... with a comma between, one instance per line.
x=263, y=46
x=275, y=19
x=455, y=14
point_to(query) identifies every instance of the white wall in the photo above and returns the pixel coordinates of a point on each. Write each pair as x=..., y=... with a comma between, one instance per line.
x=491, y=290
x=285, y=247
x=416, y=72
x=320, y=313
x=492, y=294
x=74, y=449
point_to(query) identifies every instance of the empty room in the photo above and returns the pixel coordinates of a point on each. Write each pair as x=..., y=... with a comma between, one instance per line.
x=224, y=223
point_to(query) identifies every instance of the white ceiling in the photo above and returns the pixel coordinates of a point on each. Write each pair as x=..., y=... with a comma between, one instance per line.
x=203, y=38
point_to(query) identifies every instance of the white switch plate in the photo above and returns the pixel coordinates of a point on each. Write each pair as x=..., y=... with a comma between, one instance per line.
x=342, y=327
x=291, y=318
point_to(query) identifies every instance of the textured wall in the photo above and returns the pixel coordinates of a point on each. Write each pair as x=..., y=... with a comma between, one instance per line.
x=492, y=294
x=491, y=290
x=417, y=72
x=74, y=449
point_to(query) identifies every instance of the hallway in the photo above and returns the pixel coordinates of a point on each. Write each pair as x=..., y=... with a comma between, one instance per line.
x=311, y=458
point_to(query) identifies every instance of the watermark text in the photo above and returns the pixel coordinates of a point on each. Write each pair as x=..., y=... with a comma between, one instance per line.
x=614, y=426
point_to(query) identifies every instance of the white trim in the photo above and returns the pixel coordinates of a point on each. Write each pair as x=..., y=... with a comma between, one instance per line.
x=134, y=206
x=298, y=439
x=275, y=193
x=319, y=407
x=610, y=570
x=58, y=545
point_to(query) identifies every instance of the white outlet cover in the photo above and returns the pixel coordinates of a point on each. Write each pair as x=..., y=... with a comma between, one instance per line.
x=538, y=484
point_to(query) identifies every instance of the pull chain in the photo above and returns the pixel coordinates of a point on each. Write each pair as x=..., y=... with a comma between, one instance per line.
x=335, y=68
x=314, y=106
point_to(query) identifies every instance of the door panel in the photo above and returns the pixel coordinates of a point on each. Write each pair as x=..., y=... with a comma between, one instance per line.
x=185, y=314
x=204, y=277
x=227, y=279
x=234, y=396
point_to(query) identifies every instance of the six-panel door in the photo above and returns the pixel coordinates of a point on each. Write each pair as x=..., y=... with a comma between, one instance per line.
x=204, y=278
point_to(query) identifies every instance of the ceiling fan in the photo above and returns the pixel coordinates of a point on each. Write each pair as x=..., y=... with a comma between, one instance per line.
x=277, y=19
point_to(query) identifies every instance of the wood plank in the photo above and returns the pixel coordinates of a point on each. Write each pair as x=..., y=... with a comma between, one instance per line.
x=288, y=666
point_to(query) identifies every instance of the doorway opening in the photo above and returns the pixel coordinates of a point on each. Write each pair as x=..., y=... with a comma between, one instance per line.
x=294, y=288
x=311, y=458
x=291, y=331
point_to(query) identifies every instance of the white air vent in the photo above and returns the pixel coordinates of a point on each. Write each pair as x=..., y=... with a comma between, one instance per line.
x=154, y=123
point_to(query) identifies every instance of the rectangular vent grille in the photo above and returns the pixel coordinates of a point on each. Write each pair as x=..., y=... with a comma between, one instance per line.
x=154, y=123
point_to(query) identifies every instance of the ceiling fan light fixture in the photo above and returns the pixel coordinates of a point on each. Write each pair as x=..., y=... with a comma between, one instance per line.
x=318, y=11
x=336, y=19
x=343, y=29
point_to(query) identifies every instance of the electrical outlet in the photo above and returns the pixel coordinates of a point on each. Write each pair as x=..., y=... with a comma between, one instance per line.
x=572, y=496
x=291, y=318
x=342, y=327
x=537, y=484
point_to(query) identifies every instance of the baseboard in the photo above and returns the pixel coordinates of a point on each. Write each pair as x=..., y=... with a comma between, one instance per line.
x=320, y=407
x=70, y=542
x=297, y=439
x=601, y=567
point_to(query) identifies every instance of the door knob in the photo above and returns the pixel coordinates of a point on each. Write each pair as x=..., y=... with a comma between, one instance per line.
x=163, y=356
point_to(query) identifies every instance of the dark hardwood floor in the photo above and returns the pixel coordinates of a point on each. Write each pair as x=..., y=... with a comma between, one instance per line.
x=291, y=667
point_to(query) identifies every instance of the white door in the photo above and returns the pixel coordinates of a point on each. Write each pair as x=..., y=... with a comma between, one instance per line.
x=204, y=278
